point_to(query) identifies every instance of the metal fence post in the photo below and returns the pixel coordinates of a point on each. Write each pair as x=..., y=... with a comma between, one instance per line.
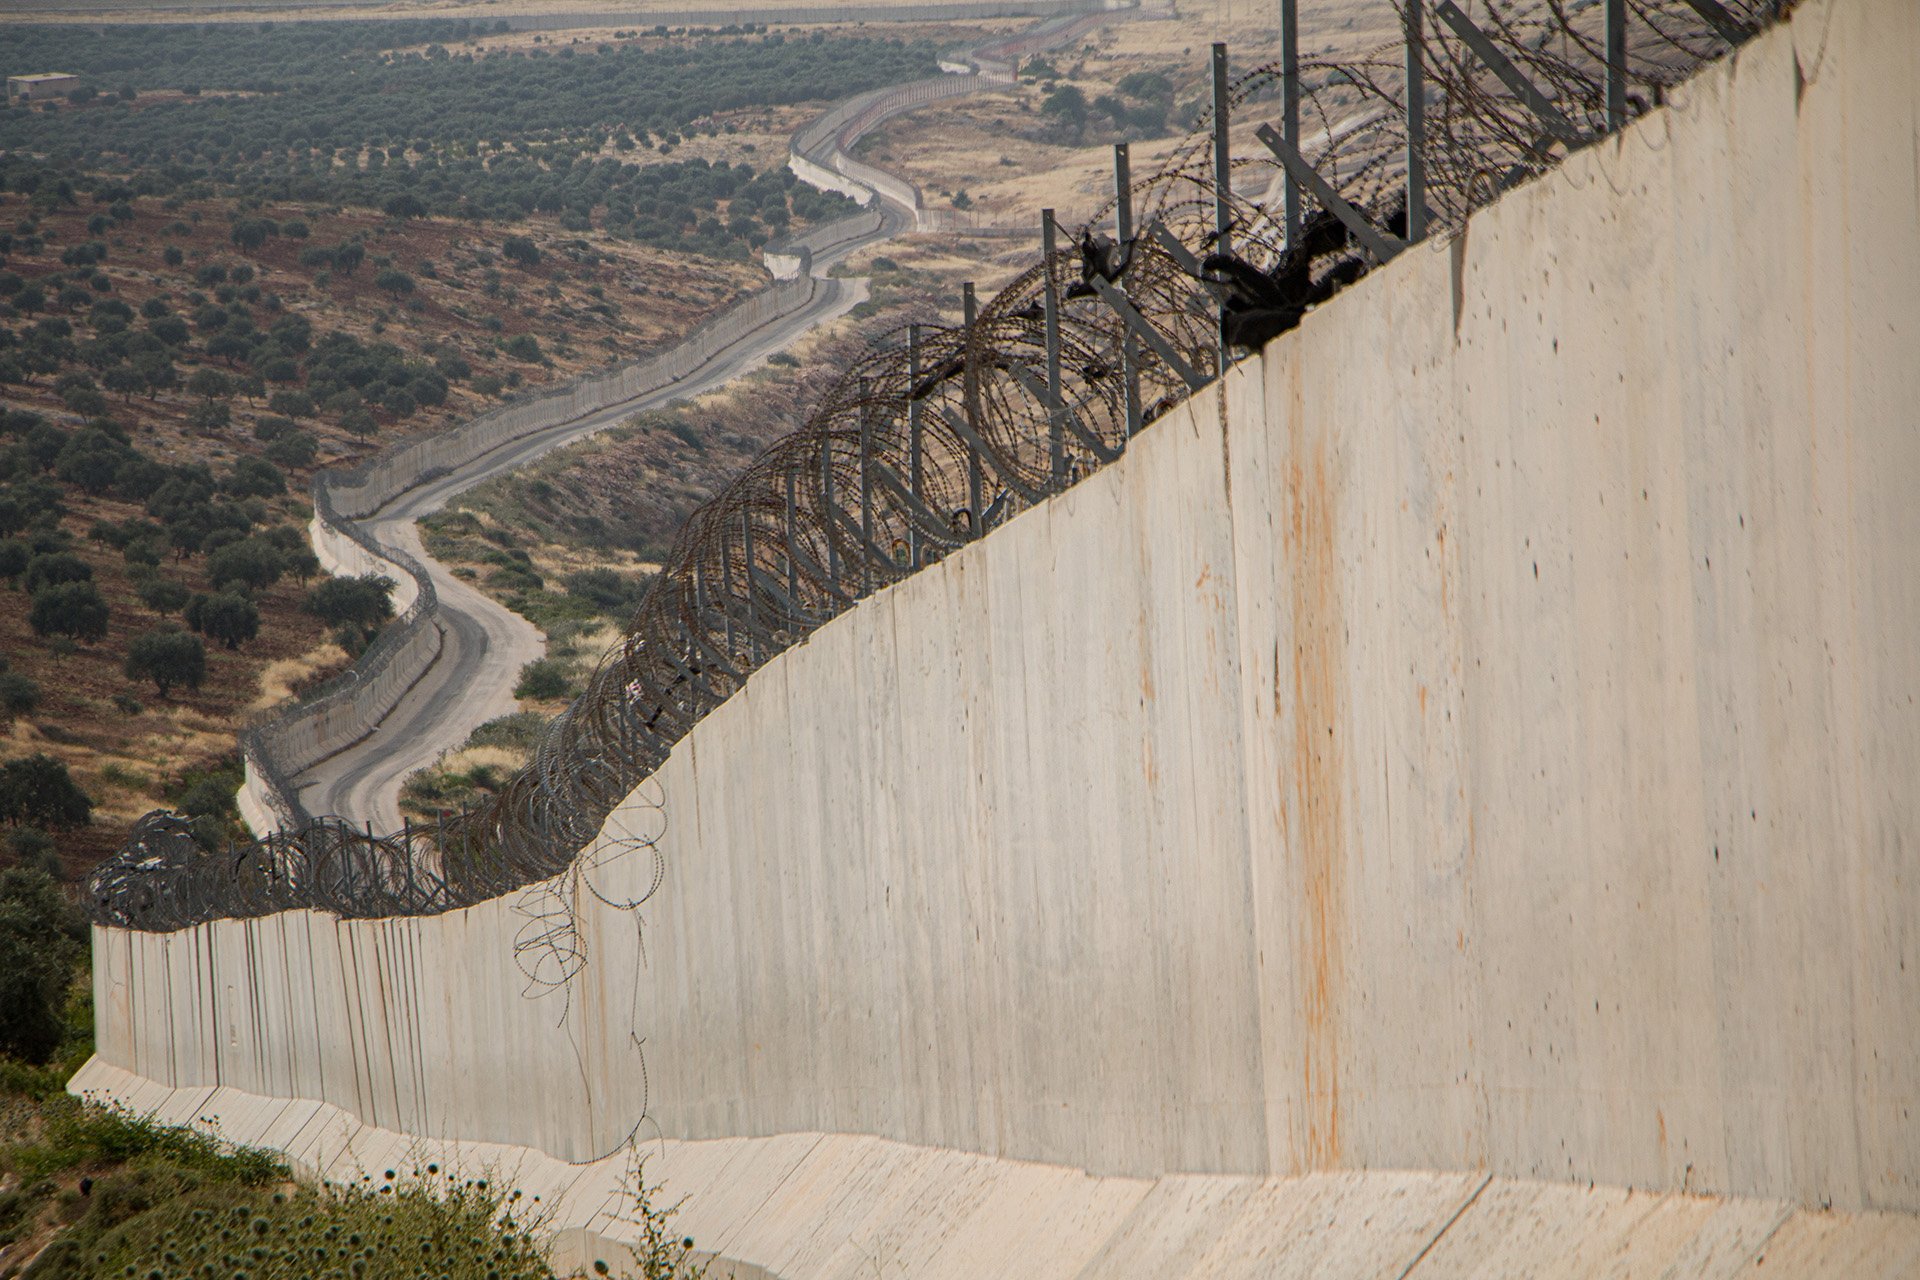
x=1222, y=184
x=1222, y=156
x=970, y=310
x=726, y=594
x=1416, y=126
x=828, y=512
x=1290, y=108
x=793, y=567
x=1050, y=298
x=1616, y=65
x=866, y=484
x=915, y=465
x=746, y=586
x=1123, y=233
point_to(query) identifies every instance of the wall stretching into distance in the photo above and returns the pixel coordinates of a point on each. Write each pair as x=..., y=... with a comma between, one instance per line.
x=1479, y=735
x=293, y=739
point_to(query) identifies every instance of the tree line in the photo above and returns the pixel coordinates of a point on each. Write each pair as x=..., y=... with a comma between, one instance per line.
x=485, y=135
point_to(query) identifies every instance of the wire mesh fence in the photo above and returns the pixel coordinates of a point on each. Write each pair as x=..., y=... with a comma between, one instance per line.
x=940, y=434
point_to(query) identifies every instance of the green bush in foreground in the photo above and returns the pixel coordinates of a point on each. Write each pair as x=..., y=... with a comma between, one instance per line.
x=77, y=1135
x=170, y=1203
x=545, y=679
x=43, y=938
x=147, y=1224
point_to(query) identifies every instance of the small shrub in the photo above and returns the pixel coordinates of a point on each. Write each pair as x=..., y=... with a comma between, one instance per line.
x=42, y=941
x=227, y=616
x=19, y=694
x=295, y=449
x=518, y=731
x=359, y=606
x=544, y=680
x=37, y=789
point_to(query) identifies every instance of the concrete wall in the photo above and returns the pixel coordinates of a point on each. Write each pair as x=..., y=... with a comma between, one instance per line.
x=342, y=557
x=825, y=179
x=399, y=468
x=1478, y=736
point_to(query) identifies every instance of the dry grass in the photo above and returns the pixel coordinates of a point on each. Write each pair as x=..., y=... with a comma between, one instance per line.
x=1012, y=161
x=281, y=678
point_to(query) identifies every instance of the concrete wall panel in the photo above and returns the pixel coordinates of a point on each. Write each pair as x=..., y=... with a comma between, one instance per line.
x=1477, y=736
x=1114, y=856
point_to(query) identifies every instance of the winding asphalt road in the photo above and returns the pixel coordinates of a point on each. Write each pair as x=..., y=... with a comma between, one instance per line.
x=486, y=644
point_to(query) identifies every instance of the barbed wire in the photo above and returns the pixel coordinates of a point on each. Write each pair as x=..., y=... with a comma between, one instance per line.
x=938, y=436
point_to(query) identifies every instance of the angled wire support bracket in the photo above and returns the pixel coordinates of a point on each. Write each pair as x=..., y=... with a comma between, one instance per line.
x=958, y=422
x=1503, y=69
x=1189, y=264
x=1147, y=333
x=851, y=527
x=1376, y=242
x=927, y=522
x=1724, y=24
x=1036, y=387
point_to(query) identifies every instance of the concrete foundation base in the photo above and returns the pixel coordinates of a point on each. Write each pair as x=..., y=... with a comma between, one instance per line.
x=810, y=1206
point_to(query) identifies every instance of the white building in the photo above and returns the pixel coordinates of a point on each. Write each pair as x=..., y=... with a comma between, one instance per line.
x=48, y=84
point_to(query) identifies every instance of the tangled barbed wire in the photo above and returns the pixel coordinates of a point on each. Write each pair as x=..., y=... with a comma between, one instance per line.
x=941, y=434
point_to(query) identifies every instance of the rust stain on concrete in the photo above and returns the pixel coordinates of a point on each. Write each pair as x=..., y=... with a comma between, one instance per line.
x=1318, y=773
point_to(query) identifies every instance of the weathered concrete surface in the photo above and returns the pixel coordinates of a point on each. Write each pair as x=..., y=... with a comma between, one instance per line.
x=810, y=1206
x=1479, y=738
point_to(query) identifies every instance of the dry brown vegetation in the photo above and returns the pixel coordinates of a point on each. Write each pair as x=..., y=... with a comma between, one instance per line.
x=1013, y=159
x=592, y=300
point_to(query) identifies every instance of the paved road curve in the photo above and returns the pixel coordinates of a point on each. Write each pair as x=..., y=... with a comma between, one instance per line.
x=485, y=643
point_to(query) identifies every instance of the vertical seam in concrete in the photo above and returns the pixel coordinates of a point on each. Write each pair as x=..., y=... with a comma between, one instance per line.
x=212, y=1007
x=1445, y=1227
x=392, y=1003
x=173, y=1036
x=257, y=1014
x=419, y=1044
x=1234, y=616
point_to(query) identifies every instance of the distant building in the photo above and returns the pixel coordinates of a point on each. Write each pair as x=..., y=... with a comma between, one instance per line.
x=49, y=84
